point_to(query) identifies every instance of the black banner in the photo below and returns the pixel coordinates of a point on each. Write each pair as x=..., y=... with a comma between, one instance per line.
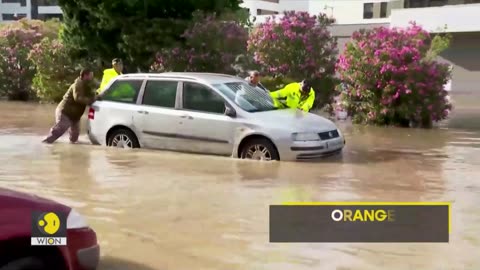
x=401, y=222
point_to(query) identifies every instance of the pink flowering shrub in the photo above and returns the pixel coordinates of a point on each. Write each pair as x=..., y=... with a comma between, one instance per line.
x=391, y=78
x=55, y=70
x=16, y=41
x=297, y=46
x=211, y=45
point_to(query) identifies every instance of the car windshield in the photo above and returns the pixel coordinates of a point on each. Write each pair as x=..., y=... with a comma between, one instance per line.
x=247, y=96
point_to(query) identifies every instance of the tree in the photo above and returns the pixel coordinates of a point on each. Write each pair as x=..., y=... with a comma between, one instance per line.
x=132, y=29
x=16, y=41
x=391, y=77
x=55, y=70
x=297, y=46
x=212, y=44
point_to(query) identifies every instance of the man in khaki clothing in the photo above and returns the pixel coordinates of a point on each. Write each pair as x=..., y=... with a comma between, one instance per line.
x=69, y=111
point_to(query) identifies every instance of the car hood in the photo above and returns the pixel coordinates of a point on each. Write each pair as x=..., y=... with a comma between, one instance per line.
x=294, y=119
x=14, y=199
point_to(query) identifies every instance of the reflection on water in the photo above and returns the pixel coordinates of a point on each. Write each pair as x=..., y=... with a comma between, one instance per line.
x=161, y=210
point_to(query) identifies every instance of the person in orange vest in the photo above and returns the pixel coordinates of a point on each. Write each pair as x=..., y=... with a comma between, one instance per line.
x=111, y=73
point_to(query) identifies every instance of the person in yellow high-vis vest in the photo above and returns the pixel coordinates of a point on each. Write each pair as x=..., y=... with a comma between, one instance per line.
x=295, y=95
x=110, y=73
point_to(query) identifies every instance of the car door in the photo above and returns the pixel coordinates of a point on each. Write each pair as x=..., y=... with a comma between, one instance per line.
x=158, y=119
x=204, y=127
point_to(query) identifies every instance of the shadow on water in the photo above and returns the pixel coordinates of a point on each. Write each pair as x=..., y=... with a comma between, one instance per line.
x=256, y=170
x=121, y=158
x=113, y=263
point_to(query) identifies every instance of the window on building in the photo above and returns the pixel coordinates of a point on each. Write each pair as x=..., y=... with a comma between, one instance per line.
x=13, y=17
x=45, y=17
x=22, y=3
x=160, y=94
x=437, y=3
x=197, y=97
x=266, y=12
x=383, y=9
x=125, y=91
x=368, y=10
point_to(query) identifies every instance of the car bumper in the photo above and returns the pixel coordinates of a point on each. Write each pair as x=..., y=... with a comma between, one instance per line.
x=312, y=150
x=94, y=138
x=83, y=249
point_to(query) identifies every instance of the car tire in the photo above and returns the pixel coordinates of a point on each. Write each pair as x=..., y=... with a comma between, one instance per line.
x=259, y=149
x=127, y=136
x=25, y=263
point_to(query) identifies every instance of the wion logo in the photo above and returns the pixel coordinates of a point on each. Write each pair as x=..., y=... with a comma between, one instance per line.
x=49, y=229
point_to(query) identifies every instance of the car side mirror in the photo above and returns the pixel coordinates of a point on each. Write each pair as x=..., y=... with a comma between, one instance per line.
x=229, y=111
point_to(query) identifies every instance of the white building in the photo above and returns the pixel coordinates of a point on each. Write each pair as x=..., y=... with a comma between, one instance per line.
x=11, y=10
x=460, y=17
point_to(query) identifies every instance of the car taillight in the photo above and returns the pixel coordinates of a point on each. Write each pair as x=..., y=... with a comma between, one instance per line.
x=91, y=113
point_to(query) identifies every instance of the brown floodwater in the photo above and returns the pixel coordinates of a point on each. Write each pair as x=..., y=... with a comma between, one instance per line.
x=163, y=210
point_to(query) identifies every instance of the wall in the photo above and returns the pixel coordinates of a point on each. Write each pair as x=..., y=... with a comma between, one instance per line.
x=31, y=8
x=464, y=55
x=346, y=11
x=253, y=5
x=298, y=5
x=14, y=8
x=457, y=18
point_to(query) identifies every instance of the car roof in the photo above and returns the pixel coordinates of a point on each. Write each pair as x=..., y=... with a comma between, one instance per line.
x=209, y=78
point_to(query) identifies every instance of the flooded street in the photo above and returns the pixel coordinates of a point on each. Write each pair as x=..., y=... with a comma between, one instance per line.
x=161, y=210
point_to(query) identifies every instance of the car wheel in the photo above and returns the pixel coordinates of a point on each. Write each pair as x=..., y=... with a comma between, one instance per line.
x=259, y=149
x=26, y=263
x=123, y=138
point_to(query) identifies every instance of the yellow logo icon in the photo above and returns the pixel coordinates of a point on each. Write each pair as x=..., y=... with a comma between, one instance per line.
x=50, y=223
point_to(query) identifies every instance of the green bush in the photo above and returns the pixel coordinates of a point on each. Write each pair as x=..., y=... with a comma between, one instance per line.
x=211, y=45
x=16, y=69
x=391, y=77
x=55, y=70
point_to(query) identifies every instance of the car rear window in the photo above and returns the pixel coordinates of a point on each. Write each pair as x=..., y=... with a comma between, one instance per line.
x=125, y=91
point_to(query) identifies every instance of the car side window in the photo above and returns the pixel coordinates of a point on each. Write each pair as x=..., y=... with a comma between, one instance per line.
x=160, y=93
x=197, y=97
x=125, y=91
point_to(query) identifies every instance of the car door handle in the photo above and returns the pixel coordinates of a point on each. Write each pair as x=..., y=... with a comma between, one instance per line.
x=186, y=116
x=143, y=112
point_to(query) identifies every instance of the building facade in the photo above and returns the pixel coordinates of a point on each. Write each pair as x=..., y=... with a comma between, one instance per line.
x=458, y=17
x=11, y=10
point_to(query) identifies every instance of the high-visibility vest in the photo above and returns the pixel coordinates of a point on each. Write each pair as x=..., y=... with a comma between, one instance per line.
x=108, y=75
x=293, y=97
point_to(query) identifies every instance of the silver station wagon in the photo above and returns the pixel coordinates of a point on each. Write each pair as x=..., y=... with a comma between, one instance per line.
x=206, y=113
